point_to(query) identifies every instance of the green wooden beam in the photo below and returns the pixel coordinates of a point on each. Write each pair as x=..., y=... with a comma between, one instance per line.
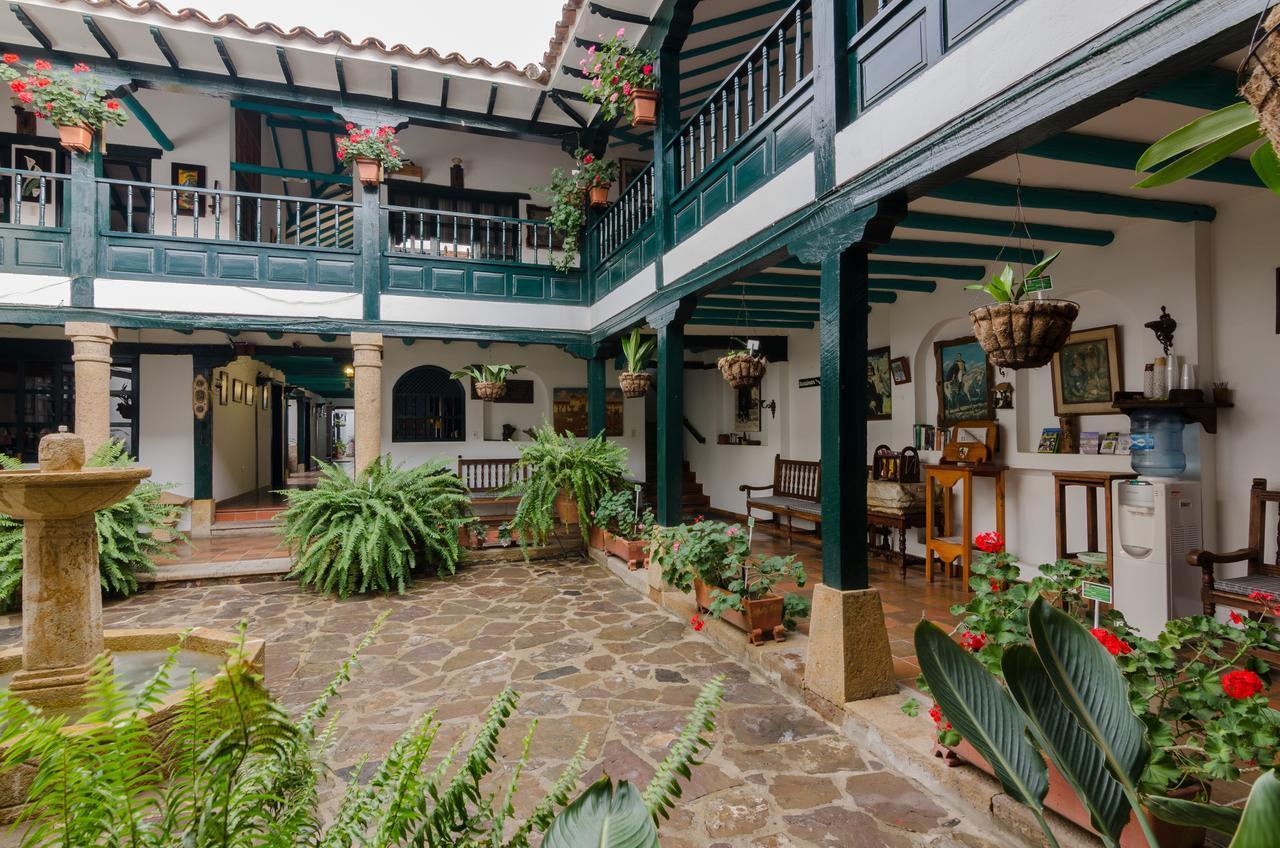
x=267, y=170
x=165, y=50
x=1117, y=153
x=990, y=193
x=493, y=98
x=288, y=111
x=802, y=292
x=918, y=286
x=285, y=70
x=620, y=15
x=1207, y=87
x=101, y=37
x=144, y=117
x=340, y=72
x=753, y=323
x=747, y=37
x=768, y=279
x=730, y=307
x=960, y=250
x=1005, y=229
x=739, y=17
x=225, y=56
x=31, y=27
x=395, y=83
x=444, y=93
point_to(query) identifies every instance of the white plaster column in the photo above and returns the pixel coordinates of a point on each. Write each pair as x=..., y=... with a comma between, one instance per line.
x=367, y=360
x=91, y=353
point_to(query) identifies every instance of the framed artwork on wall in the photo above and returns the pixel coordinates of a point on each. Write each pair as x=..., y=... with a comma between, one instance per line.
x=1086, y=372
x=746, y=410
x=628, y=170
x=964, y=381
x=237, y=390
x=249, y=394
x=569, y=411
x=879, y=385
x=189, y=202
x=900, y=368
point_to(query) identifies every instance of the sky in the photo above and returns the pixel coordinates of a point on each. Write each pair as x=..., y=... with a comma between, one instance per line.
x=516, y=30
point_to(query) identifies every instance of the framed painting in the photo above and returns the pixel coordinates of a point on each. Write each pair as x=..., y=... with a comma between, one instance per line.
x=1086, y=372
x=189, y=202
x=879, y=385
x=964, y=381
x=628, y=170
x=237, y=390
x=249, y=389
x=900, y=368
x=746, y=410
x=569, y=411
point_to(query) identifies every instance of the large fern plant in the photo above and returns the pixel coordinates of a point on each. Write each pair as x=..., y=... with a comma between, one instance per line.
x=242, y=772
x=132, y=534
x=586, y=469
x=368, y=533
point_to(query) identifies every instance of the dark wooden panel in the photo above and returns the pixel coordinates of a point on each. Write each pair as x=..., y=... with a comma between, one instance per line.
x=529, y=286
x=122, y=259
x=185, y=263
x=336, y=272
x=885, y=64
x=962, y=18
x=238, y=266
x=489, y=283
x=287, y=269
x=716, y=198
x=451, y=280
x=792, y=139
x=406, y=277
x=190, y=260
x=30, y=254
x=566, y=288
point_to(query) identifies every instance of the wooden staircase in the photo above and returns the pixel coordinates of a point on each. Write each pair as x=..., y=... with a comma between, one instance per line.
x=693, y=500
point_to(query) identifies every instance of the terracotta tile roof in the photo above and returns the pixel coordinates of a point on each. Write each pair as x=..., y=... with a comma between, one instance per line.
x=531, y=71
x=560, y=38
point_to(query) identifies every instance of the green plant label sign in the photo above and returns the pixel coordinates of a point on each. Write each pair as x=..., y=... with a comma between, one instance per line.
x=1037, y=284
x=1099, y=592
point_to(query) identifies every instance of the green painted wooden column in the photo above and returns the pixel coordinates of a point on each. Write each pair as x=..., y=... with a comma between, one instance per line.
x=668, y=124
x=833, y=24
x=595, y=394
x=372, y=231
x=202, y=432
x=669, y=323
x=82, y=219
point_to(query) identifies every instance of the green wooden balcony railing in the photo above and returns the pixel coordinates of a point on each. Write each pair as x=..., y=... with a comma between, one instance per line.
x=33, y=221
x=622, y=240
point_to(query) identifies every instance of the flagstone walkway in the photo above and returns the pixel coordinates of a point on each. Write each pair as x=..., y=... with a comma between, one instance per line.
x=590, y=658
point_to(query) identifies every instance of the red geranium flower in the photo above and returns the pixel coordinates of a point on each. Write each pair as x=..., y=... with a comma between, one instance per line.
x=1236, y=618
x=935, y=713
x=990, y=542
x=349, y=127
x=698, y=622
x=973, y=641
x=647, y=69
x=1241, y=684
x=1113, y=643
x=995, y=585
x=588, y=159
x=10, y=58
x=80, y=68
x=43, y=81
x=113, y=105
x=26, y=97
x=42, y=65
x=18, y=86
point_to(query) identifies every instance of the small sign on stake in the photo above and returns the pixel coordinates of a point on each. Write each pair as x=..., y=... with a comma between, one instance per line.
x=753, y=345
x=1099, y=593
x=1037, y=284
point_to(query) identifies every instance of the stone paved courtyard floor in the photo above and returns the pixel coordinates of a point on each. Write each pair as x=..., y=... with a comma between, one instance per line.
x=590, y=658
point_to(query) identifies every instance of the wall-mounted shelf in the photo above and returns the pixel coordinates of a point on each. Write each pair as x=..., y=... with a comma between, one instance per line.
x=1190, y=403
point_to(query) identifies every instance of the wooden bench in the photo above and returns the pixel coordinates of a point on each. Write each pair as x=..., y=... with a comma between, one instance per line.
x=488, y=481
x=796, y=492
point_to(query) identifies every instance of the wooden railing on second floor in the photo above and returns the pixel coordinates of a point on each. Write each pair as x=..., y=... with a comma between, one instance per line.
x=441, y=234
x=625, y=217
x=33, y=198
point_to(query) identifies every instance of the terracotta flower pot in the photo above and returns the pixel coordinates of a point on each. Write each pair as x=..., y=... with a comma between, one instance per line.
x=599, y=195
x=635, y=383
x=1261, y=78
x=76, y=139
x=566, y=508
x=634, y=552
x=490, y=391
x=644, y=107
x=757, y=619
x=1063, y=801
x=599, y=539
x=742, y=370
x=368, y=172
x=1026, y=334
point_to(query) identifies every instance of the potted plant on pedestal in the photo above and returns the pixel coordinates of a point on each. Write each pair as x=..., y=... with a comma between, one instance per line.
x=490, y=380
x=567, y=217
x=1017, y=332
x=741, y=366
x=621, y=77
x=638, y=350
x=371, y=153
x=596, y=176
x=74, y=101
x=621, y=528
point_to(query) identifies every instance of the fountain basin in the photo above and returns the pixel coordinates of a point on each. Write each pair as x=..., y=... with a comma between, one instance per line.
x=203, y=650
x=53, y=495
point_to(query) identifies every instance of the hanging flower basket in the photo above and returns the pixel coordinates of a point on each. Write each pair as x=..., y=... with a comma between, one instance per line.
x=635, y=383
x=490, y=391
x=742, y=370
x=599, y=195
x=1025, y=334
x=1260, y=77
x=644, y=107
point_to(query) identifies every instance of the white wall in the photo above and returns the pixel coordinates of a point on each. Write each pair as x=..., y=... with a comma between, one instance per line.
x=241, y=435
x=549, y=368
x=165, y=427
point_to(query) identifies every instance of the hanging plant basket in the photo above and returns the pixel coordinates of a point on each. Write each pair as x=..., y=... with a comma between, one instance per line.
x=599, y=195
x=76, y=139
x=742, y=370
x=490, y=391
x=1026, y=334
x=635, y=383
x=1260, y=77
x=644, y=107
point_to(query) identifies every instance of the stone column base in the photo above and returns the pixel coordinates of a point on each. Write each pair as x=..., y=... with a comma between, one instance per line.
x=848, y=658
x=52, y=687
x=202, y=518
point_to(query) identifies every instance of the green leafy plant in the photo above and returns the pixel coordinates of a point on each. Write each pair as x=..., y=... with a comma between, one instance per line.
x=74, y=98
x=1206, y=141
x=585, y=469
x=380, y=145
x=614, y=71
x=593, y=171
x=618, y=513
x=239, y=770
x=1006, y=288
x=486, y=373
x=368, y=533
x=567, y=217
x=638, y=349
x=132, y=534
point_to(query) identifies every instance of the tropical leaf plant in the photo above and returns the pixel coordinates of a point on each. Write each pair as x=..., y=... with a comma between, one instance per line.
x=1005, y=287
x=586, y=469
x=486, y=373
x=1205, y=142
x=638, y=349
x=238, y=770
x=370, y=532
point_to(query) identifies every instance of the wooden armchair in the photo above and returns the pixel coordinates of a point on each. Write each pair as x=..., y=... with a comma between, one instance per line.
x=1261, y=577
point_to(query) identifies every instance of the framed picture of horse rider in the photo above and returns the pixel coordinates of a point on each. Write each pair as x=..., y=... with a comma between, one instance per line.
x=964, y=381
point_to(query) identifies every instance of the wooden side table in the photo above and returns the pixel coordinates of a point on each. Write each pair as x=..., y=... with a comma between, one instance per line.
x=1091, y=482
x=887, y=522
x=947, y=546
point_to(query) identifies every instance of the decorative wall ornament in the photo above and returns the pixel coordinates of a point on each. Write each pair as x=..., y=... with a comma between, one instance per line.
x=963, y=378
x=900, y=368
x=200, y=396
x=1086, y=372
x=879, y=385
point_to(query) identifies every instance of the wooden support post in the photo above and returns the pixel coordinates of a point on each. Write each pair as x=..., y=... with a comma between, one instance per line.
x=595, y=395
x=669, y=323
x=372, y=227
x=82, y=219
x=665, y=167
x=831, y=92
x=202, y=505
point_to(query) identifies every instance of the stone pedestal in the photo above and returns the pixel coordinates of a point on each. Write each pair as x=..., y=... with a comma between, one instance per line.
x=202, y=517
x=61, y=609
x=367, y=360
x=849, y=656
x=91, y=353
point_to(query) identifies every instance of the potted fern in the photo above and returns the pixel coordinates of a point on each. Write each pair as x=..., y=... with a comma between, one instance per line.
x=638, y=350
x=741, y=366
x=74, y=101
x=490, y=380
x=566, y=478
x=1017, y=332
x=371, y=153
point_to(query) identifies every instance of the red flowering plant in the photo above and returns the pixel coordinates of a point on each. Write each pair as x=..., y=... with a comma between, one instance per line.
x=594, y=172
x=614, y=72
x=72, y=97
x=378, y=144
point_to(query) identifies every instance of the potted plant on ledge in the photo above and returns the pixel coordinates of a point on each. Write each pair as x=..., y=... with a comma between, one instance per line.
x=620, y=76
x=638, y=350
x=490, y=380
x=567, y=216
x=621, y=528
x=596, y=176
x=1017, y=332
x=566, y=478
x=74, y=101
x=742, y=367
x=371, y=153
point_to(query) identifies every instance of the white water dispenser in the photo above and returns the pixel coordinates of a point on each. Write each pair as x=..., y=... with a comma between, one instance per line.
x=1156, y=523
